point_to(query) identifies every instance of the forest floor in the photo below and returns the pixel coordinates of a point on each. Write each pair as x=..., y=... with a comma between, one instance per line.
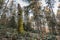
x=7, y=33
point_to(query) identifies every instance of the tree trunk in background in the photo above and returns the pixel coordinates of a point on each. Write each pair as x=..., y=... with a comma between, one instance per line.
x=20, y=20
x=51, y=16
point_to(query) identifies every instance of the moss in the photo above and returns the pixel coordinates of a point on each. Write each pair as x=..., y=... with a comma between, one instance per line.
x=20, y=20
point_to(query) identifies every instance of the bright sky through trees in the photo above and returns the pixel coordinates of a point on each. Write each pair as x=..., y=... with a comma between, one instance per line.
x=43, y=3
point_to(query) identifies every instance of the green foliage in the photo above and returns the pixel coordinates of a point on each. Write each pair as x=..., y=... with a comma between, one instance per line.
x=12, y=23
x=27, y=27
x=1, y=3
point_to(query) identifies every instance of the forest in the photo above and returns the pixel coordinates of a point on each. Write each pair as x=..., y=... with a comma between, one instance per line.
x=29, y=20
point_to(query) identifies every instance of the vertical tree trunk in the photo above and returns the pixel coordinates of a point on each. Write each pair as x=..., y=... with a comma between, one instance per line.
x=20, y=20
